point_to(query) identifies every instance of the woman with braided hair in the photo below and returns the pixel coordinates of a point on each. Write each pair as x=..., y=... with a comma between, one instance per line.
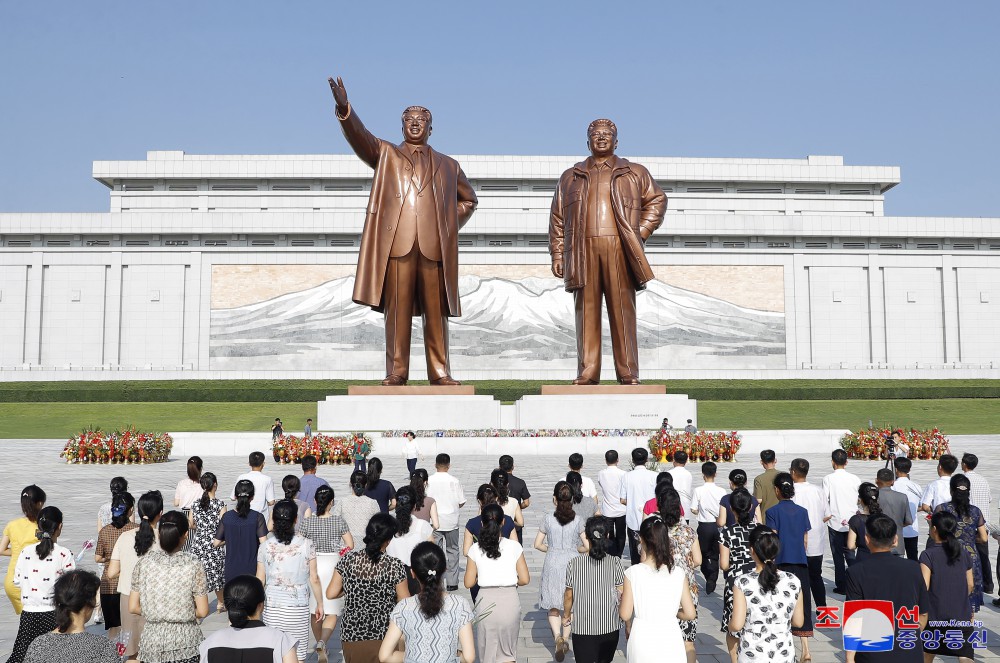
x=867, y=506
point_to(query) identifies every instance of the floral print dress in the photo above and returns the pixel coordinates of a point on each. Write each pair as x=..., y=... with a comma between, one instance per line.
x=682, y=539
x=737, y=539
x=206, y=522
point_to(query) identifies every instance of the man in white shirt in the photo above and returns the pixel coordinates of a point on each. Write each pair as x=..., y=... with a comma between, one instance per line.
x=980, y=497
x=638, y=487
x=610, y=481
x=904, y=484
x=263, y=486
x=450, y=498
x=683, y=482
x=938, y=491
x=810, y=497
x=840, y=494
x=705, y=504
x=587, y=487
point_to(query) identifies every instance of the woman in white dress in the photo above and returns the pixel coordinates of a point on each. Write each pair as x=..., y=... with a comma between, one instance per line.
x=766, y=604
x=655, y=596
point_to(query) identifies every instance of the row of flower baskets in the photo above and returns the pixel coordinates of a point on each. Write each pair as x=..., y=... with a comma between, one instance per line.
x=327, y=449
x=701, y=446
x=529, y=432
x=124, y=446
x=870, y=443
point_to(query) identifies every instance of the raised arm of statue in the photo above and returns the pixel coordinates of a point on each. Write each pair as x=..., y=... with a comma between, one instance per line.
x=364, y=144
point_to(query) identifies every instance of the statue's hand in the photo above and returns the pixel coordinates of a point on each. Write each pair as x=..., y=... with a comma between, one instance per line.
x=339, y=92
x=557, y=267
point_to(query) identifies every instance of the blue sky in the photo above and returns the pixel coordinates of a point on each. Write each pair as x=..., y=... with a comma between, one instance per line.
x=908, y=83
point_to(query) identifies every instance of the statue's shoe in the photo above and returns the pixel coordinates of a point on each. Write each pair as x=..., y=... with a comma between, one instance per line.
x=584, y=381
x=446, y=381
x=629, y=379
x=393, y=381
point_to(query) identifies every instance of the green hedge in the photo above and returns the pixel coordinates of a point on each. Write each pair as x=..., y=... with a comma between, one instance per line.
x=282, y=391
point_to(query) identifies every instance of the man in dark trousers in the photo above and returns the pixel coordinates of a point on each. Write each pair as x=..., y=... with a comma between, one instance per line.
x=887, y=577
x=893, y=504
x=518, y=488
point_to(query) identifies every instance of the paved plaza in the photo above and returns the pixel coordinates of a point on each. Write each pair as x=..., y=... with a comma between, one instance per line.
x=80, y=489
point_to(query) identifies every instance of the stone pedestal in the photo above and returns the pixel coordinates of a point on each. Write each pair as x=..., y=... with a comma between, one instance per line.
x=379, y=408
x=604, y=406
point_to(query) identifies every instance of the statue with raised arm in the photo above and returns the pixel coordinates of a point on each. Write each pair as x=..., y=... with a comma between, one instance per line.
x=603, y=211
x=408, y=262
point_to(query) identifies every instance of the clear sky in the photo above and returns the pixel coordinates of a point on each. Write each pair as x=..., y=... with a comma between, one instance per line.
x=908, y=83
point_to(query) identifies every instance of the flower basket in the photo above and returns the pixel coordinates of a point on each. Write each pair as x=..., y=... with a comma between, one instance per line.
x=869, y=443
x=701, y=446
x=127, y=445
x=327, y=449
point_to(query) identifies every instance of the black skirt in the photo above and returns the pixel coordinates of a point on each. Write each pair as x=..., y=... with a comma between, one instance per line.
x=111, y=606
x=32, y=625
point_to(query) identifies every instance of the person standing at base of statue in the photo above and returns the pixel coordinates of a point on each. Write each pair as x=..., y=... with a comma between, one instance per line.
x=603, y=211
x=408, y=261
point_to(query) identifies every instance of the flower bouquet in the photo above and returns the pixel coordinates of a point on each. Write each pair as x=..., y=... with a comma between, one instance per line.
x=869, y=443
x=327, y=449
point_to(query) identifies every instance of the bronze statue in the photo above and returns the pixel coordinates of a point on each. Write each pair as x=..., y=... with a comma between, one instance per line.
x=408, y=263
x=604, y=210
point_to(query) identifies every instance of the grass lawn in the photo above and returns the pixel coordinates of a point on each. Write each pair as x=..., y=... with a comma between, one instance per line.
x=58, y=420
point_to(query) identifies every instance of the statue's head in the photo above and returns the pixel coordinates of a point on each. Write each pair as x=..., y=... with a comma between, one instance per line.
x=602, y=138
x=416, y=125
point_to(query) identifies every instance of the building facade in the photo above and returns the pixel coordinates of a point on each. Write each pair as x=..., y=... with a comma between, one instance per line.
x=242, y=266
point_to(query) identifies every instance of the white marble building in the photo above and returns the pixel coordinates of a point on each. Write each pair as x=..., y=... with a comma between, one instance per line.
x=242, y=265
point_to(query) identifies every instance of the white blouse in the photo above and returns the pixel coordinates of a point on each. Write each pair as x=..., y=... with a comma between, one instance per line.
x=500, y=572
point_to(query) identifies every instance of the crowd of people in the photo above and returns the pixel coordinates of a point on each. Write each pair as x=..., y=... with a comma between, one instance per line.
x=384, y=562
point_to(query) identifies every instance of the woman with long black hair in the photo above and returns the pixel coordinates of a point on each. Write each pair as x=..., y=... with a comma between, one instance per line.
x=970, y=529
x=411, y=531
x=433, y=623
x=329, y=534
x=189, y=488
x=244, y=597
x=378, y=488
x=36, y=570
x=128, y=549
x=583, y=508
x=357, y=508
x=947, y=570
x=734, y=556
x=286, y=564
x=500, y=481
x=241, y=530
x=686, y=552
x=206, y=512
x=560, y=537
x=18, y=534
x=497, y=565
x=426, y=507
x=122, y=506
x=868, y=505
x=655, y=598
x=767, y=603
x=594, y=584
x=372, y=583
x=168, y=590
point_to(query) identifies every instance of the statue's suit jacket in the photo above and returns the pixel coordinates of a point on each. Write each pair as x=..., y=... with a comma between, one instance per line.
x=638, y=203
x=454, y=200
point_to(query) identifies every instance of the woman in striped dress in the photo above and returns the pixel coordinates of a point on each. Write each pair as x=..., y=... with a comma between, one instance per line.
x=286, y=564
x=594, y=583
x=330, y=535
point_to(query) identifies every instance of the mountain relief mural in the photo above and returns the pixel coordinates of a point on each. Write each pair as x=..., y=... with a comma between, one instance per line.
x=507, y=322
